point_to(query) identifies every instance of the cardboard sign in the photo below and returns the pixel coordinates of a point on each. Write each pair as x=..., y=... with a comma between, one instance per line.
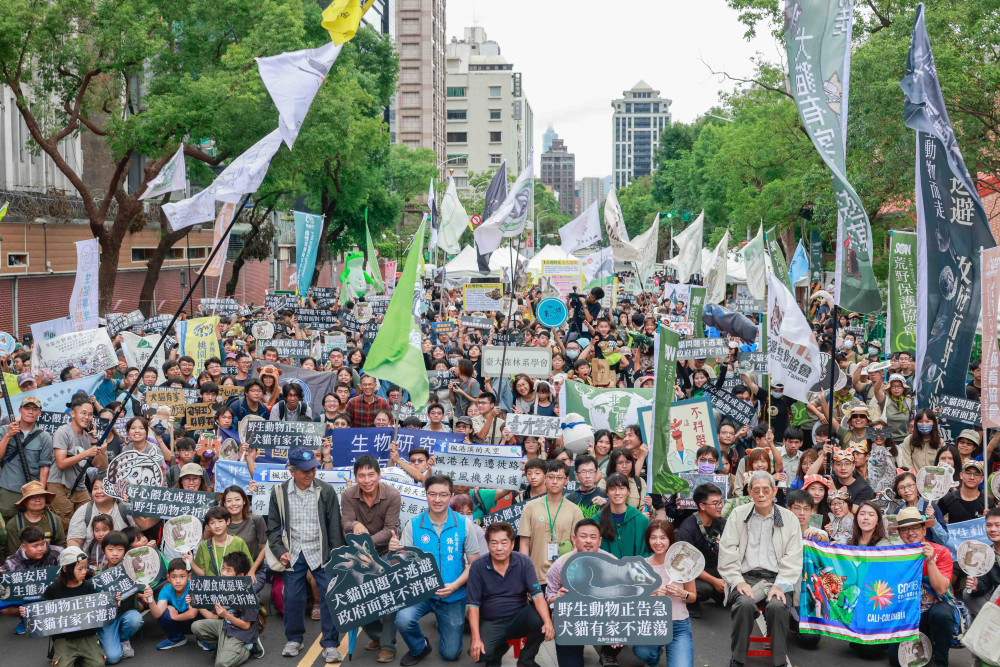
x=531, y=361
x=730, y=406
x=610, y=601
x=279, y=301
x=164, y=503
x=286, y=347
x=601, y=374
x=51, y=421
x=230, y=592
x=534, y=425
x=228, y=391
x=200, y=416
x=323, y=296
x=510, y=514
x=226, y=307
x=350, y=443
x=484, y=323
x=486, y=466
x=115, y=580
x=365, y=586
x=131, y=467
x=57, y=617
x=26, y=585
x=118, y=322
x=481, y=296
x=702, y=348
x=172, y=398
x=90, y=351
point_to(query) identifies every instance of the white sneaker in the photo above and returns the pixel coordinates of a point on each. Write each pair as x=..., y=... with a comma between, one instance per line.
x=331, y=654
x=291, y=649
x=127, y=651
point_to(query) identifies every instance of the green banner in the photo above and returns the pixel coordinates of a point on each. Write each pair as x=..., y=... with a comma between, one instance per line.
x=777, y=258
x=696, y=309
x=661, y=479
x=818, y=45
x=815, y=260
x=901, y=318
x=612, y=409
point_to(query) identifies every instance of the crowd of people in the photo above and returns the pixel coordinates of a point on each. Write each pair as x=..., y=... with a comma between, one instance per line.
x=838, y=469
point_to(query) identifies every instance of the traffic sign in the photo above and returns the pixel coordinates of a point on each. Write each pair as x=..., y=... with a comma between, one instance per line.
x=475, y=220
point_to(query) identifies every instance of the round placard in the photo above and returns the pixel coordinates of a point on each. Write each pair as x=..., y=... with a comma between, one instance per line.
x=263, y=330
x=142, y=565
x=552, y=312
x=916, y=652
x=7, y=343
x=934, y=482
x=182, y=533
x=976, y=558
x=684, y=562
x=995, y=484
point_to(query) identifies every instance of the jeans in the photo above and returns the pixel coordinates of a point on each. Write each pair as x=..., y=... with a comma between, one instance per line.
x=937, y=623
x=294, y=579
x=680, y=650
x=174, y=630
x=495, y=633
x=113, y=634
x=450, y=622
x=384, y=630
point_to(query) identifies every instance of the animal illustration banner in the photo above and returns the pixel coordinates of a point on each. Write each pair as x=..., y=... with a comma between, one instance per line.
x=365, y=586
x=869, y=595
x=610, y=601
x=611, y=409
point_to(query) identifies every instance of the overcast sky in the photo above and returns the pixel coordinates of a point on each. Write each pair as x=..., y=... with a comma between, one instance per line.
x=578, y=55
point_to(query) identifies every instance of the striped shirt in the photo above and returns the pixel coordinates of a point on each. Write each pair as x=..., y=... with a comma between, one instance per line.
x=303, y=525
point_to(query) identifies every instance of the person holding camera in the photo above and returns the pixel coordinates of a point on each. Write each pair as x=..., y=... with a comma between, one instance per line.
x=464, y=389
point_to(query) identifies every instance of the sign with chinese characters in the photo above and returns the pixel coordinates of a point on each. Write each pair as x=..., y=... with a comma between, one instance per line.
x=379, y=304
x=90, y=351
x=82, y=612
x=610, y=601
x=365, y=586
x=323, y=296
x=729, y=405
x=745, y=303
x=317, y=319
x=26, y=585
x=115, y=580
x=445, y=327
x=481, y=296
x=350, y=443
x=957, y=409
x=163, y=503
x=230, y=592
x=286, y=347
x=413, y=496
x=483, y=323
x=486, y=466
x=990, y=367
x=535, y=425
x=118, y=322
x=691, y=425
x=156, y=323
x=511, y=338
x=226, y=307
x=702, y=348
x=273, y=440
x=280, y=300
x=511, y=514
x=531, y=361
x=694, y=479
x=172, y=398
x=200, y=416
x=131, y=467
x=51, y=421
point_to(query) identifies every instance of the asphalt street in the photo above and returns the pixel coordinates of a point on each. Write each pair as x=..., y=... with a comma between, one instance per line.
x=711, y=637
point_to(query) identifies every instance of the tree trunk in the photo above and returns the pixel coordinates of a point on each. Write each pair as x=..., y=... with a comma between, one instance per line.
x=154, y=265
x=234, y=278
x=107, y=274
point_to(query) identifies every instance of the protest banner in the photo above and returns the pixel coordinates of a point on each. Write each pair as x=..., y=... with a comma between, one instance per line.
x=273, y=440
x=483, y=323
x=509, y=338
x=510, y=514
x=224, y=307
x=287, y=347
x=610, y=601
x=90, y=351
x=973, y=529
x=531, y=361
x=83, y=302
x=697, y=309
x=702, y=348
x=131, y=467
x=350, y=443
x=199, y=341
x=379, y=304
x=230, y=592
x=533, y=425
x=81, y=612
x=319, y=383
x=957, y=409
x=165, y=503
x=269, y=475
x=200, y=416
x=365, y=586
x=316, y=319
x=156, y=323
x=280, y=300
x=26, y=585
x=54, y=397
x=115, y=581
x=793, y=357
x=990, y=366
x=437, y=380
x=868, y=595
x=51, y=421
x=481, y=297
x=118, y=322
x=138, y=350
x=691, y=425
x=324, y=297
x=227, y=391
x=560, y=278
x=745, y=303
x=191, y=396
x=486, y=466
x=446, y=327
x=172, y=398
x=685, y=499
x=611, y=409
x=729, y=405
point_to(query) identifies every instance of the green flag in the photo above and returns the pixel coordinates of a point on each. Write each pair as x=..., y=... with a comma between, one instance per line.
x=901, y=316
x=663, y=480
x=777, y=258
x=395, y=354
x=696, y=309
x=372, y=267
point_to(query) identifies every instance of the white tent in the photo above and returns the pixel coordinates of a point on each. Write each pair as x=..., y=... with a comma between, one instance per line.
x=464, y=268
x=501, y=259
x=549, y=252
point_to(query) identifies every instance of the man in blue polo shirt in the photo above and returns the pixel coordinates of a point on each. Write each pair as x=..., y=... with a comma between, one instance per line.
x=451, y=539
x=498, y=590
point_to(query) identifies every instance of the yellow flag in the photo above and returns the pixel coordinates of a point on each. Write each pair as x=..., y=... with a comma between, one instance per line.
x=342, y=18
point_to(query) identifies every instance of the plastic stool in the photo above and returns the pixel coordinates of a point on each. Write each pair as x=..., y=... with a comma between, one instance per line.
x=764, y=651
x=518, y=644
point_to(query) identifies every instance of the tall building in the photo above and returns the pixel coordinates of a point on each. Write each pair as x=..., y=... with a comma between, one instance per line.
x=591, y=190
x=488, y=118
x=640, y=116
x=559, y=172
x=547, y=138
x=420, y=100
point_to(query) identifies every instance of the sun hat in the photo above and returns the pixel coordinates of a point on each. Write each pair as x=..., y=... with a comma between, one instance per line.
x=31, y=489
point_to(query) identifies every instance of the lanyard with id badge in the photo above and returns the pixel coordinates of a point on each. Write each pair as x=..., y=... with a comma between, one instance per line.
x=552, y=549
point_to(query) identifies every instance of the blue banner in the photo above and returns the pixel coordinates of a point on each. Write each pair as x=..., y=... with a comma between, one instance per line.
x=350, y=443
x=868, y=595
x=56, y=397
x=308, y=231
x=974, y=529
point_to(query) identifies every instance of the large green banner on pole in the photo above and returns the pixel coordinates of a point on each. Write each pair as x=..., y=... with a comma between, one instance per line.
x=696, y=309
x=901, y=318
x=778, y=264
x=659, y=477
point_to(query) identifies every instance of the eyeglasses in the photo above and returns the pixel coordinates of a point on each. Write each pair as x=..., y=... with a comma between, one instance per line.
x=906, y=487
x=717, y=503
x=555, y=478
x=438, y=496
x=760, y=490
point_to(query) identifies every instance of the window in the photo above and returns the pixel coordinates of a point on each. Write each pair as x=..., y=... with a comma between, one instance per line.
x=495, y=137
x=19, y=259
x=461, y=181
x=198, y=253
x=495, y=91
x=459, y=160
x=641, y=108
x=642, y=122
x=494, y=114
x=410, y=27
x=628, y=107
x=456, y=91
x=458, y=137
x=457, y=114
x=495, y=159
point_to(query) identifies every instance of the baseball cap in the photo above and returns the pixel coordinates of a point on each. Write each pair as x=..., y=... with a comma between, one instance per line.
x=303, y=459
x=33, y=400
x=463, y=420
x=972, y=463
x=25, y=377
x=71, y=556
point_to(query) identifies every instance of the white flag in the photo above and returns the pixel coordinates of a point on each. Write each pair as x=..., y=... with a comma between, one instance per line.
x=138, y=349
x=614, y=227
x=582, y=232
x=715, y=271
x=508, y=220
x=221, y=223
x=171, y=178
x=85, y=298
x=190, y=211
x=293, y=79
x=454, y=220
x=793, y=357
x=598, y=268
x=753, y=264
x=647, y=244
x=245, y=174
x=688, y=258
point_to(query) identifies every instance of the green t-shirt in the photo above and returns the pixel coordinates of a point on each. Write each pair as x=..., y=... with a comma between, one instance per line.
x=209, y=557
x=488, y=504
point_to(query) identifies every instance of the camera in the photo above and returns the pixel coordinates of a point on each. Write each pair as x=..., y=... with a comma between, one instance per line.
x=159, y=429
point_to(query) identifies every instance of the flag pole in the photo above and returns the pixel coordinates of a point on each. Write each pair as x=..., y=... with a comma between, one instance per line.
x=510, y=310
x=833, y=378
x=163, y=337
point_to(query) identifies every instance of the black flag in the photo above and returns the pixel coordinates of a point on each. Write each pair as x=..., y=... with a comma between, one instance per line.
x=495, y=195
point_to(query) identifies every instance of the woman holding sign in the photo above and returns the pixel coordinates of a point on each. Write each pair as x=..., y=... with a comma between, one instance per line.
x=137, y=430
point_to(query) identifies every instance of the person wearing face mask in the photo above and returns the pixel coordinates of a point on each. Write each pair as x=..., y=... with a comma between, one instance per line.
x=777, y=407
x=919, y=448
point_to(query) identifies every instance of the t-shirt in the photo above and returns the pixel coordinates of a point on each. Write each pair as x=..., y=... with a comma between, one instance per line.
x=957, y=509
x=80, y=528
x=945, y=565
x=585, y=501
x=173, y=598
x=535, y=524
x=248, y=636
x=38, y=454
x=209, y=556
x=66, y=439
x=859, y=489
x=58, y=591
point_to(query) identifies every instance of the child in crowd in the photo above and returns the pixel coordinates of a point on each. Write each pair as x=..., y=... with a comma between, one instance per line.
x=172, y=608
x=34, y=552
x=212, y=552
x=185, y=453
x=81, y=646
x=115, y=637
x=233, y=634
x=102, y=525
x=803, y=506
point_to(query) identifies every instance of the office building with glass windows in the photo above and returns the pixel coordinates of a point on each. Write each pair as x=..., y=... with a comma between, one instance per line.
x=639, y=119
